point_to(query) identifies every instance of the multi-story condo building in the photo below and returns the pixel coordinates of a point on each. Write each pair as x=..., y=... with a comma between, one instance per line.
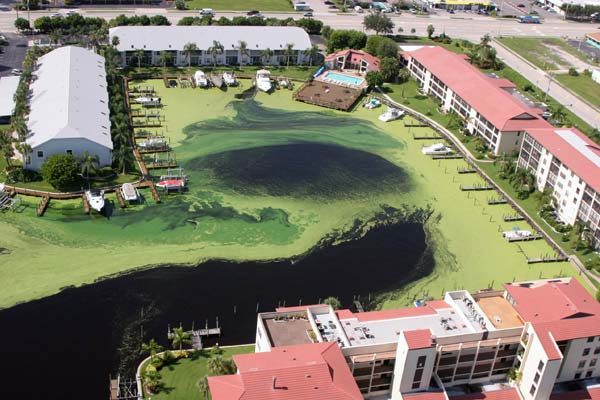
x=567, y=163
x=492, y=107
x=216, y=45
x=546, y=333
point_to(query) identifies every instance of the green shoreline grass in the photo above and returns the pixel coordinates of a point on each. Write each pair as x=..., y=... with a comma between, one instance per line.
x=66, y=248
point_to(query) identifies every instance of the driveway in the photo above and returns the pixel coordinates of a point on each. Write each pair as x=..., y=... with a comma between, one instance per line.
x=12, y=56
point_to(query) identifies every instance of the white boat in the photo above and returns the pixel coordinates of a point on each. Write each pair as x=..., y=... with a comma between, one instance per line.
x=372, y=103
x=95, y=199
x=437, y=149
x=200, y=79
x=129, y=192
x=263, y=80
x=516, y=234
x=171, y=184
x=152, y=143
x=147, y=101
x=391, y=114
x=229, y=78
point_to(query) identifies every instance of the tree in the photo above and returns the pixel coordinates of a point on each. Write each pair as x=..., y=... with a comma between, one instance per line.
x=151, y=348
x=389, y=68
x=312, y=52
x=326, y=31
x=266, y=55
x=61, y=171
x=344, y=39
x=374, y=79
x=139, y=56
x=56, y=36
x=89, y=164
x=164, y=58
x=379, y=23
x=189, y=49
x=22, y=24
x=288, y=52
x=122, y=158
x=430, y=30
x=203, y=386
x=180, y=4
x=485, y=40
x=381, y=47
x=152, y=380
x=215, y=50
x=6, y=147
x=413, y=30
x=334, y=302
x=243, y=50
x=115, y=41
x=181, y=338
x=524, y=182
x=217, y=365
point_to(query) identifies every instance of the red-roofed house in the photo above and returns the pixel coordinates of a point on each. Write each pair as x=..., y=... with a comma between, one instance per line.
x=487, y=104
x=358, y=60
x=302, y=372
x=566, y=162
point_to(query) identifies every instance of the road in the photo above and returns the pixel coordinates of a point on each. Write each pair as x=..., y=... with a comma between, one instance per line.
x=543, y=81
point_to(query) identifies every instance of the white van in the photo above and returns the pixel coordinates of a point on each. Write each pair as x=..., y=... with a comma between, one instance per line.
x=359, y=9
x=207, y=11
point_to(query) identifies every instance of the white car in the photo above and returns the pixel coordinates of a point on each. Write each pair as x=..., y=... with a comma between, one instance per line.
x=207, y=11
x=56, y=15
x=71, y=12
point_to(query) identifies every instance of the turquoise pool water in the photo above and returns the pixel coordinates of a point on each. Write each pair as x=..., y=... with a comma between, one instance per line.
x=351, y=80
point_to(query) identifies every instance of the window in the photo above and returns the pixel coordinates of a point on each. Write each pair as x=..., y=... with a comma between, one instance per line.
x=581, y=364
x=593, y=362
x=590, y=339
x=421, y=361
x=70, y=152
x=532, y=390
x=40, y=154
x=537, y=377
x=597, y=350
x=578, y=375
x=589, y=374
x=541, y=366
x=586, y=352
x=416, y=385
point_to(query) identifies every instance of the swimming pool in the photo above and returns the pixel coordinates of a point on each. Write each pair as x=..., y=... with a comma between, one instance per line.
x=350, y=80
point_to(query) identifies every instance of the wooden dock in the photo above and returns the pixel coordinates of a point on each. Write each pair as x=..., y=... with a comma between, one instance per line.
x=43, y=206
x=164, y=149
x=86, y=204
x=475, y=188
x=161, y=164
x=546, y=260
x=525, y=239
x=466, y=170
x=120, y=199
x=493, y=202
x=427, y=137
x=135, y=124
x=516, y=217
x=447, y=157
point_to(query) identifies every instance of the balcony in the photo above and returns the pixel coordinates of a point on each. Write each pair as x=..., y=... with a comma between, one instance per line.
x=466, y=358
x=482, y=368
x=448, y=361
x=381, y=369
x=507, y=353
x=486, y=356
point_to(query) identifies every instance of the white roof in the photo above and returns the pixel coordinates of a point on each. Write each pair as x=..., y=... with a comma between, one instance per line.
x=579, y=144
x=159, y=38
x=8, y=88
x=69, y=98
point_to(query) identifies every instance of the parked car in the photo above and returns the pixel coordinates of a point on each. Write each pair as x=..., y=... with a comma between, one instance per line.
x=359, y=9
x=56, y=15
x=252, y=13
x=16, y=71
x=71, y=12
x=207, y=11
x=308, y=14
x=450, y=11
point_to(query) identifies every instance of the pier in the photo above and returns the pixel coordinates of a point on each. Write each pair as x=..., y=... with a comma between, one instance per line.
x=120, y=199
x=525, y=238
x=427, y=137
x=546, y=260
x=86, y=204
x=476, y=188
x=492, y=202
x=463, y=170
x=447, y=157
x=43, y=206
x=516, y=217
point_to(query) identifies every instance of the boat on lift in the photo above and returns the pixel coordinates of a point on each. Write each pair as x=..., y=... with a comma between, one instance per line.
x=229, y=78
x=95, y=199
x=152, y=143
x=263, y=80
x=172, y=184
x=129, y=192
x=200, y=79
x=437, y=149
x=148, y=101
x=391, y=114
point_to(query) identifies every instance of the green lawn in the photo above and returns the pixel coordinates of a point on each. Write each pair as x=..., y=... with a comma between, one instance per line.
x=241, y=5
x=583, y=86
x=182, y=377
x=537, y=52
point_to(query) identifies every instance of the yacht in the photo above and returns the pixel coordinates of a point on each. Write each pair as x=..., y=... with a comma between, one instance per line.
x=129, y=192
x=229, y=78
x=95, y=199
x=437, y=149
x=200, y=79
x=391, y=114
x=152, y=143
x=148, y=101
x=263, y=80
x=516, y=234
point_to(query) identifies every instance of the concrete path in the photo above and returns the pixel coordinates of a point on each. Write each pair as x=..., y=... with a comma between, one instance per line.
x=547, y=84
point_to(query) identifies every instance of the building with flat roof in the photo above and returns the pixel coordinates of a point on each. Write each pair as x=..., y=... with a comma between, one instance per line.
x=8, y=88
x=557, y=5
x=458, y=348
x=566, y=162
x=172, y=39
x=491, y=107
x=69, y=107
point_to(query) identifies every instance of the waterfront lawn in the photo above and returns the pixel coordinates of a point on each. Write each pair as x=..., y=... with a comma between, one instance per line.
x=241, y=5
x=299, y=72
x=181, y=379
x=538, y=51
x=583, y=86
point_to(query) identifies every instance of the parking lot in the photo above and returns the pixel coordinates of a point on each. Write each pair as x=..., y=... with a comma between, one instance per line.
x=13, y=54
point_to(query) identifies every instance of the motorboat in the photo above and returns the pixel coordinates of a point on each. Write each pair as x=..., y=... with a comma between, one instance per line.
x=517, y=234
x=229, y=78
x=437, y=149
x=217, y=80
x=129, y=192
x=391, y=114
x=263, y=80
x=152, y=143
x=200, y=79
x=95, y=199
x=148, y=101
x=171, y=184
x=372, y=103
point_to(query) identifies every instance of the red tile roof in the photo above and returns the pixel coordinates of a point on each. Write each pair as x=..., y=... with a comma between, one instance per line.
x=301, y=372
x=424, y=396
x=387, y=314
x=595, y=36
x=438, y=304
x=418, y=339
x=502, y=394
x=482, y=92
x=355, y=57
x=582, y=166
x=585, y=394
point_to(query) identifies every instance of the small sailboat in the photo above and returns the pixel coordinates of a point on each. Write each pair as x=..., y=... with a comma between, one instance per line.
x=229, y=78
x=391, y=114
x=437, y=149
x=263, y=80
x=200, y=79
x=129, y=192
x=95, y=199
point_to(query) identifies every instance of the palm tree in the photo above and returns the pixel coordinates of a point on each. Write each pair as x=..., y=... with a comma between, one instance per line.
x=89, y=163
x=311, y=53
x=151, y=380
x=164, y=57
x=289, y=52
x=215, y=50
x=139, y=56
x=151, y=348
x=485, y=40
x=115, y=41
x=266, y=54
x=120, y=134
x=219, y=366
x=180, y=337
x=6, y=146
x=203, y=386
x=243, y=49
x=122, y=157
x=189, y=49
x=56, y=36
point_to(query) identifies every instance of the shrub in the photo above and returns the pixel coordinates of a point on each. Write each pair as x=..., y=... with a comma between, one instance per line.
x=573, y=72
x=374, y=79
x=61, y=171
x=180, y=4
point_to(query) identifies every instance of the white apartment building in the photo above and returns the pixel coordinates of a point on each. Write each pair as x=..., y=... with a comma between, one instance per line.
x=458, y=348
x=491, y=107
x=173, y=39
x=566, y=162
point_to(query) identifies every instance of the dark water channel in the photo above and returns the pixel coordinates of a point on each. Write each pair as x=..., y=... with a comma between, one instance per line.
x=65, y=346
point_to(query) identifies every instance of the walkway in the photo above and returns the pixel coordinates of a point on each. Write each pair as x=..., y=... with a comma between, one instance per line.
x=547, y=84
